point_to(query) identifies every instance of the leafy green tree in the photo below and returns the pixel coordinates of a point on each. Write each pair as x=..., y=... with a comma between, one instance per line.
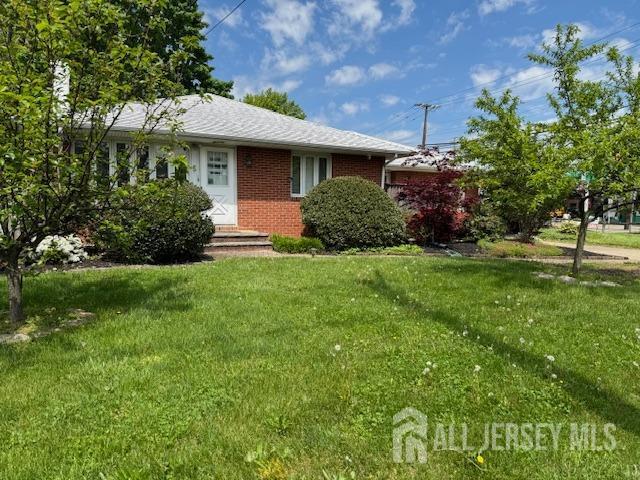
x=181, y=31
x=277, y=102
x=54, y=174
x=596, y=131
x=591, y=149
x=520, y=176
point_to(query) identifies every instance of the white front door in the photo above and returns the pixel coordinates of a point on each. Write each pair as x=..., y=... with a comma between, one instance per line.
x=218, y=179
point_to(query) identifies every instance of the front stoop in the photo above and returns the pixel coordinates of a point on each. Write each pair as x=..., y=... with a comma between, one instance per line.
x=239, y=242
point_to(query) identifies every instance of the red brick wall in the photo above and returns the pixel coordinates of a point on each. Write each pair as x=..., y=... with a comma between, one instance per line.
x=264, y=189
x=358, y=166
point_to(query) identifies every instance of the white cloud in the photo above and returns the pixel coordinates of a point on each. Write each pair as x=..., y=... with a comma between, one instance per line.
x=407, y=7
x=587, y=31
x=455, y=26
x=383, y=70
x=522, y=41
x=352, y=108
x=389, y=100
x=347, y=75
x=482, y=75
x=399, y=135
x=404, y=17
x=213, y=15
x=531, y=83
x=327, y=55
x=279, y=62
x=364, y=13
x=243, y=84
x=487, y=7
x=288, y=20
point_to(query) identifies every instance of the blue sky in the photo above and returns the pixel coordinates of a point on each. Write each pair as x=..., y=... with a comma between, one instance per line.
x=363, y=64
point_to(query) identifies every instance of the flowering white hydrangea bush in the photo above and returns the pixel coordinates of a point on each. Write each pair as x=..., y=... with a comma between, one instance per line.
x=60, y=249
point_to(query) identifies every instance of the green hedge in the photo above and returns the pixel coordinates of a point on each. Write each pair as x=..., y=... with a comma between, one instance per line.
x=351, y=212
x=156, y=222
x=296, y=245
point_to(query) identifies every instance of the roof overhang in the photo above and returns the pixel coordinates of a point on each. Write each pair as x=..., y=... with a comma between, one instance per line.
x=159, y=135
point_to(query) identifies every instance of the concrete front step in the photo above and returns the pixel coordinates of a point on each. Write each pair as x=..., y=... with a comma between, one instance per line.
x=239, y=237
x=242, y=248
x=246, y=244
x=239, y=242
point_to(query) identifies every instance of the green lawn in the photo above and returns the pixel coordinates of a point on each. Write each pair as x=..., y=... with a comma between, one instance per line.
x=630, y=240
x=186, y=370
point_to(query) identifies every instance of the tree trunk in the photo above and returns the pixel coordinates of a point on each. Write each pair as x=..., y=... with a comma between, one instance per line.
x=14, y=280
x=627, y=224
x=582, y=238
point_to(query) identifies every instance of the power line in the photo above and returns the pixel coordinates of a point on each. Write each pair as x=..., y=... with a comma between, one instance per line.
x=510, y=75
x=224, y=18
x=403, y=118
x=426, y=107
x=528, y=81
x=399, y=117
x=542, y=76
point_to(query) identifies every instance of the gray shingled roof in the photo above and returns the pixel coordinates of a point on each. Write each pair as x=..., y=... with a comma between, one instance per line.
x=224, y=119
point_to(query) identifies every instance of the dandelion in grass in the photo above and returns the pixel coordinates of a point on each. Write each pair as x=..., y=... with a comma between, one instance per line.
x=550, y=358
x=522, y=340
x=477, y=369
x=337, y=347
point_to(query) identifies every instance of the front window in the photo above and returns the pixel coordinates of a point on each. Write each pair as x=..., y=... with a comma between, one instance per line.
x=102, y=164
x=162, y=167
x=307, y=171
x=122, y=163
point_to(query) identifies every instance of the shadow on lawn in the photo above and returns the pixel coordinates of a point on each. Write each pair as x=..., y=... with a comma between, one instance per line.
x=504, y=274
x=48, y=297
x=607, y=404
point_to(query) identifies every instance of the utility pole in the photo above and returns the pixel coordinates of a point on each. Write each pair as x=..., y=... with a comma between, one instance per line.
x=426, y=107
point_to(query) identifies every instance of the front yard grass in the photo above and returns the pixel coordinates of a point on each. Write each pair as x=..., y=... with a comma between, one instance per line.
x=303, y=362
x=629, y=240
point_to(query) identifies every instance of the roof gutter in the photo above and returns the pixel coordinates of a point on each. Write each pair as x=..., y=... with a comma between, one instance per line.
x=195, y=138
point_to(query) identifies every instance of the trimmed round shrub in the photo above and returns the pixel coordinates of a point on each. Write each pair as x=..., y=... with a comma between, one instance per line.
x=351, y=212
x=156, y=222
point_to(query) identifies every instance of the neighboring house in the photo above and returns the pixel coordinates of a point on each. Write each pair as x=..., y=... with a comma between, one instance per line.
x=255, y=164
x=402, y=170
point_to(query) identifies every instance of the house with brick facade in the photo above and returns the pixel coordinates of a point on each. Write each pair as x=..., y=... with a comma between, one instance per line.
x=255, y=164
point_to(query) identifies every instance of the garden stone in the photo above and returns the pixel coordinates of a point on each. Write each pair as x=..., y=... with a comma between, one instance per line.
x=15, y=338
x=567, y=279
x=545, y=276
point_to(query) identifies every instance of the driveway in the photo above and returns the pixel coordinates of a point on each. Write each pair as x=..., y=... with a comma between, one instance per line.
x=633, y=254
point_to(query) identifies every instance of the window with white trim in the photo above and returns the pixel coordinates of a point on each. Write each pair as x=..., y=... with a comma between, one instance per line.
x=307, y=171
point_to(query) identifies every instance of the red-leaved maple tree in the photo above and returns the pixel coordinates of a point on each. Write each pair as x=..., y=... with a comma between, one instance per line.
x=437, y=206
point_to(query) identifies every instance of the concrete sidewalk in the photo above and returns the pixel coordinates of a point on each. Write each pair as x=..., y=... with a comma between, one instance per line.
x=633, y=254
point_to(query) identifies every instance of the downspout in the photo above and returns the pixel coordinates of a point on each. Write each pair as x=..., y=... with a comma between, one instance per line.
x=384, y=171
